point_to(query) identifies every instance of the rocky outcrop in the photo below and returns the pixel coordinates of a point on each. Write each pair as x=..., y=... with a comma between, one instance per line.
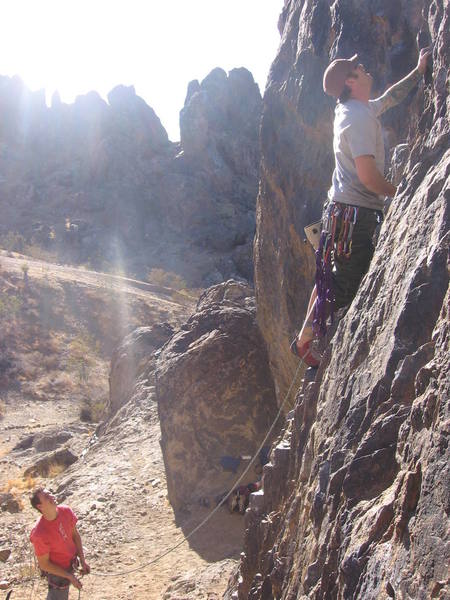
x=215, y=396
x=356, y=495
x=44, y=442
x=220, y=115
x=99, y=182
x=5, y=553
x=51, y=463
x=132, y=357
x=8, y=503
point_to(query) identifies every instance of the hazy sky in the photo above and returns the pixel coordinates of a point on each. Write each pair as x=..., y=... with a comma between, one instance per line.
x=158, y=46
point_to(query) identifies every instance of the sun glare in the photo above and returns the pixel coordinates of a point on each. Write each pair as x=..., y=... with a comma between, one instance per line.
x=77, y=46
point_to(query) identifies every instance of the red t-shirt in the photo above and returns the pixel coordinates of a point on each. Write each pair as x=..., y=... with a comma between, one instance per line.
x=55, y=537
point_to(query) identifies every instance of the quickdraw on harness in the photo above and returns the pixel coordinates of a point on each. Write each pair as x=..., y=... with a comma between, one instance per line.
x=332, y=244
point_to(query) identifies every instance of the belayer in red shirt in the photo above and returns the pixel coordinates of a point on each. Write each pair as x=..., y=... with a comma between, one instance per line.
x=57, y=544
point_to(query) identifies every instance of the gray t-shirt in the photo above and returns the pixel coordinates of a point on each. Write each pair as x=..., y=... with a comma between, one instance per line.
x=357, y=132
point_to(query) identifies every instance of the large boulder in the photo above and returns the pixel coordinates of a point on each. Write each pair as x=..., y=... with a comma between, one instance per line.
x=215, y=396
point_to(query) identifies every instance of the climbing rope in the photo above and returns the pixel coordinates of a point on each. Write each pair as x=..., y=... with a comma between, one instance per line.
x=34, y=580
x=210, y=515
x=32, y=590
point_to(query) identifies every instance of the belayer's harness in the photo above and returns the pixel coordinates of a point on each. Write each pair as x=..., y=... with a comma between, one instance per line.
x=61, y=583
x=332, y=243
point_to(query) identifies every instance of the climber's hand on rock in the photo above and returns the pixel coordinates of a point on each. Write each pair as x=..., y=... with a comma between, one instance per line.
x=423, y=58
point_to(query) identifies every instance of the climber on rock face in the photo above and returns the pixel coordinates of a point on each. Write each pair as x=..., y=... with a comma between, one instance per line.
x=57, y=544
x=355, y=198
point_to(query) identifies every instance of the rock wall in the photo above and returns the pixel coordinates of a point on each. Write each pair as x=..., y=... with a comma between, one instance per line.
x=357, y=492
x=100, y=183
x=215, y=396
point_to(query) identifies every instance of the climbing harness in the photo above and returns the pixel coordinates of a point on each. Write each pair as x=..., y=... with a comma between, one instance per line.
x=330, y=247
x=212, y=513
x=59, y=583
x=52, y=580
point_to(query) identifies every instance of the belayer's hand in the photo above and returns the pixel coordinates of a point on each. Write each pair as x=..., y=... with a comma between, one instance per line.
x=76, y=582
x=85, y=568
x=423, y=58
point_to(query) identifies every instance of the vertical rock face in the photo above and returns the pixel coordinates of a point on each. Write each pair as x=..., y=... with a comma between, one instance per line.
x=296, y=168
x=215, y=396
x=296, y=139
x=360, y=508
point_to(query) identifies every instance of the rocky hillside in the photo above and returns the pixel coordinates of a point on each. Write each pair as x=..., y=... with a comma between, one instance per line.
x=58, y=327
x=99, y=183
x=357, y=496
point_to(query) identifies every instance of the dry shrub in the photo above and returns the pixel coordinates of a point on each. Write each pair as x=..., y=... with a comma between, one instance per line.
x=40, y=253
x=50, y=363
x=13, y=242
x=20, y=484
x=166, y=279
x=86, y=414
x=93, y=410
x=63, y=381
x=55, y=469
x=26, y=570
x=48, y=386
x=10, y=305
x=28, y=372
x=25, y=268
x=49, y=345
x=82, y=348
x=186, y=296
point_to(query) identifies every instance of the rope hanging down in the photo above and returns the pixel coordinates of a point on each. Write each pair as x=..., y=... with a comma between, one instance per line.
x=209, y=516
x=224, y=499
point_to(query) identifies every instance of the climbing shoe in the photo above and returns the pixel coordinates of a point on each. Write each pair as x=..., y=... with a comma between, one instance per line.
x=306, y=353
